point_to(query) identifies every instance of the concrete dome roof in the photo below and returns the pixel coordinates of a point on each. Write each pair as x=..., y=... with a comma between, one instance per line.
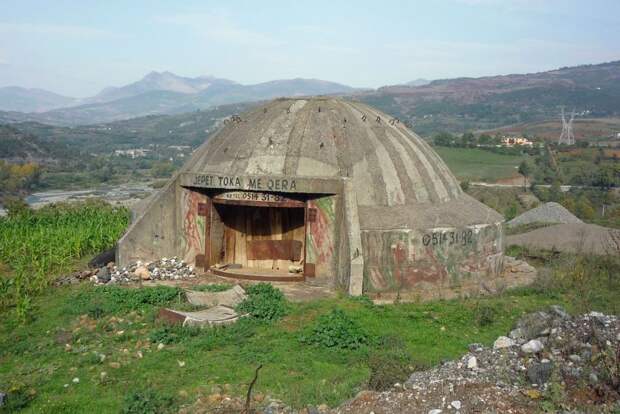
x=390, y=167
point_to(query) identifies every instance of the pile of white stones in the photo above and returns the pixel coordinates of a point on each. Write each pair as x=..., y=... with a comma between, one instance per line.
x=163, y=269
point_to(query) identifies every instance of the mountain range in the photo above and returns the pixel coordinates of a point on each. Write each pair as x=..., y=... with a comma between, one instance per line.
x=454, y=105
x=156, y=93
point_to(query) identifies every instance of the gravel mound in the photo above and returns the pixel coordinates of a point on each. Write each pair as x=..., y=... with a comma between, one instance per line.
x=570, y=238
x=547, y=213
x=579, y=354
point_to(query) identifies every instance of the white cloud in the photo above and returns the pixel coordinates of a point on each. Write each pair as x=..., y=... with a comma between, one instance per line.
x=52, y=29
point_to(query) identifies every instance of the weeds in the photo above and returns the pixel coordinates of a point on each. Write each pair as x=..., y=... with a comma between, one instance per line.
x=264, y=302
x=336, y=330
x=390, y=363
x=485, y=314
x=148, y=402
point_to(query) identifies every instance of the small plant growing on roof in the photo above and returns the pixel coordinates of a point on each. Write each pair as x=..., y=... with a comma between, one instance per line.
x=264, y=302
x=336, y=330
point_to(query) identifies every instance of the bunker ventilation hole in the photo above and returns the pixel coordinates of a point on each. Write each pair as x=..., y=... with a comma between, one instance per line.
x=378, y=119
x=321, y=145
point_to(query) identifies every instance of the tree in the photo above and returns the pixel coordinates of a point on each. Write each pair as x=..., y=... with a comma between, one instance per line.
x=585, y=210
x=485, y=139
x=555, y=192
x=524, y=170
x=511, y=211
x=443, y=139
x=468, y=139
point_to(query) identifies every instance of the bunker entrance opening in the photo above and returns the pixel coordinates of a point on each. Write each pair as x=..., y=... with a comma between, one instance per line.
x=258, y=242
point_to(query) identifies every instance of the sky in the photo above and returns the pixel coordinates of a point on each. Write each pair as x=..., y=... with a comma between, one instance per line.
x=77, y=48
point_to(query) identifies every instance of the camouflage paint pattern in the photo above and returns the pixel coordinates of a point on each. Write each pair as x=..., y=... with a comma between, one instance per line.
x=320, y=238
x=193, y=230
x=425, y=260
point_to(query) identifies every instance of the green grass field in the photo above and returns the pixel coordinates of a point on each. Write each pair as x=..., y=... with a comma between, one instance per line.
x=479, y=165
x=67, y=338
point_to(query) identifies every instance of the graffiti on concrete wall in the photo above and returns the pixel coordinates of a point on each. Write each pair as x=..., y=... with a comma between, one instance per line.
x=321, y=232
x=193, y=234
x=441, y=257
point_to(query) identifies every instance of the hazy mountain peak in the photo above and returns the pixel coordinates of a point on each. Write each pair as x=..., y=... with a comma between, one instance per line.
x=16, y=98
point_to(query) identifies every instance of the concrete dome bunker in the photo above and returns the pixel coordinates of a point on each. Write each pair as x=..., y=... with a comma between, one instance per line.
x=333, y=189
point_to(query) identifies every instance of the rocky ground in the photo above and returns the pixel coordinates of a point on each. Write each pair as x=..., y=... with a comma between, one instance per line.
x=550, y=361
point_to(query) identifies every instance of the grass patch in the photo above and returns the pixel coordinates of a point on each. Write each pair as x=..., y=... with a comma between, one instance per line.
x=35, y=356
x=479, y=165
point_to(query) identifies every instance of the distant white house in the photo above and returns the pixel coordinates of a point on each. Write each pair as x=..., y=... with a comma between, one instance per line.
x=132, y=153
x=512, y=141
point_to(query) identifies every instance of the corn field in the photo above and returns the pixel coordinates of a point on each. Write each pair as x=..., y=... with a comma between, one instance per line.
x=37, y=245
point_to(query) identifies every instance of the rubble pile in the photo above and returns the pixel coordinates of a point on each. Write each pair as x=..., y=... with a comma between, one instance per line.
x=163, y=269
x=580, y=356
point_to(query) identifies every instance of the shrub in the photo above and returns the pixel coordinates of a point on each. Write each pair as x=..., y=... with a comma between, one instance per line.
x=338, y=330
x=264, y=302
x=485, y=314
x=148, y=402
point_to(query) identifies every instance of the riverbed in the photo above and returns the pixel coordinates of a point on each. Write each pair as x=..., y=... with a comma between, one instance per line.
x=124, y=194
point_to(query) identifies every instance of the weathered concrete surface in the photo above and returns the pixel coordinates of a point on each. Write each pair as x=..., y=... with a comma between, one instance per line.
x=356, y=268
x=217, y=315
x=231, y=297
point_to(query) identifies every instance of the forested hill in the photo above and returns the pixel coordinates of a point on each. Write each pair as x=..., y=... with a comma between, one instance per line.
x=17, y=145
x=462, y=104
